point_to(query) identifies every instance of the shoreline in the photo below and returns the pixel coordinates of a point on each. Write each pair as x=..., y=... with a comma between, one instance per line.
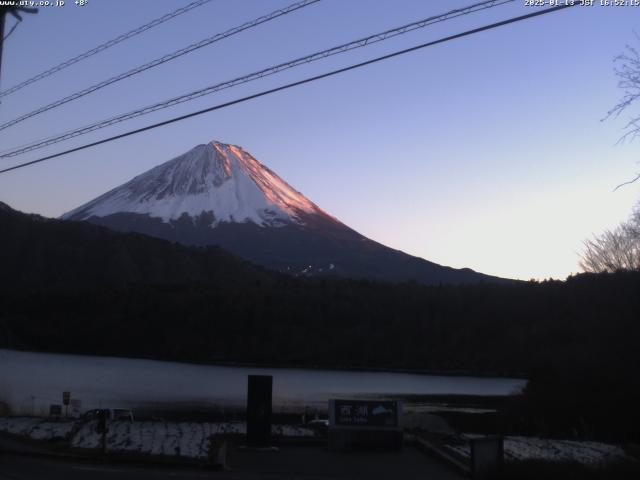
x=314, y=367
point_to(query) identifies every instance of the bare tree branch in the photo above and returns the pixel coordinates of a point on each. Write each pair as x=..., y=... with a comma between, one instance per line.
x=614, y=250
x=633, y=180
x=627, y=70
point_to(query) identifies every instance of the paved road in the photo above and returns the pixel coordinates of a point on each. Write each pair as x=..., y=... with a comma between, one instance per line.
x=289, y=463
x=23, y=467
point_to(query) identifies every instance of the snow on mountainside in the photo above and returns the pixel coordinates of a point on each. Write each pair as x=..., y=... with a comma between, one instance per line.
x=218, y=194
x=215, y=178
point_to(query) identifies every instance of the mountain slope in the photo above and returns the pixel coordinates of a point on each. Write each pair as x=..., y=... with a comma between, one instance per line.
x=218, y=194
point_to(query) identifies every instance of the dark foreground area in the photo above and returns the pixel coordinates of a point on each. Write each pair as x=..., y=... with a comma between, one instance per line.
x=286, y=463
x=565, y=471
x=312, y=462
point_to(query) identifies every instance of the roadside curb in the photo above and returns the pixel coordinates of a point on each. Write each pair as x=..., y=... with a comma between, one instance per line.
x=436, y=451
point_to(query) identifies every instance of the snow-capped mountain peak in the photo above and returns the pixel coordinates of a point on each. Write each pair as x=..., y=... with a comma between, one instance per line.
x=218, y=194
x=216, y=178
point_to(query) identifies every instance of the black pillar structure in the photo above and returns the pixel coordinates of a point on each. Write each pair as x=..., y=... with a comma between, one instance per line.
x=259, y=402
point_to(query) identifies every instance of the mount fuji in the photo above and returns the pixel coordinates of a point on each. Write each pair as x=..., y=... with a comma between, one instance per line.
x=218, y=194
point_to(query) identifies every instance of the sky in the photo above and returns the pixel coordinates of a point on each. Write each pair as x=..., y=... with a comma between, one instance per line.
x=487, y=152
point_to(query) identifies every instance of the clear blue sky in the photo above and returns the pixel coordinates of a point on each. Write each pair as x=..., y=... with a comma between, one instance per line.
x=486, y=152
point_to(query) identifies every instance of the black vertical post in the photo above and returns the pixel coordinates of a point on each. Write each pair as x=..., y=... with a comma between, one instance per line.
x=259, y=403
x=487, y=457
x=102, y=428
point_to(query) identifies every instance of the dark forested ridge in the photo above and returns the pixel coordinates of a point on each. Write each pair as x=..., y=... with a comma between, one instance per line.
x=49, y=254
x=78, y=288
x=587, y=321
x=322, y=247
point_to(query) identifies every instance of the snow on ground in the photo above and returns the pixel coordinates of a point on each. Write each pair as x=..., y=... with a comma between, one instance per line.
x=184, y=439
x=37, y=428
x=533, y=448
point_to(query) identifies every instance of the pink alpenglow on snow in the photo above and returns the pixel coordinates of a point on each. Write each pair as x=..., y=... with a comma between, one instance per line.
x=218, y=178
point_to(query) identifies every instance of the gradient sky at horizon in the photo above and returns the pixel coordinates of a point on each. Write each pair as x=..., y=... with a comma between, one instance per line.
x=485, y=152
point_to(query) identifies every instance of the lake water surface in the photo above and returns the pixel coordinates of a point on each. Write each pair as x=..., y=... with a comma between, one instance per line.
x=30, y=382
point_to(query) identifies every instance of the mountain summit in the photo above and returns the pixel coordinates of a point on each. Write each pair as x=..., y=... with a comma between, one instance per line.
x=220, y=180
x=218, y=194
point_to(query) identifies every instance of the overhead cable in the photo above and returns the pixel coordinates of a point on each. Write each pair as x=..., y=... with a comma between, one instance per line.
x=160, y=61
x=294, y=84
x=362, y=42
x=104, y=46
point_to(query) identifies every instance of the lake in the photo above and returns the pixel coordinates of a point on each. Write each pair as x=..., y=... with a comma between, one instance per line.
x=30, y=382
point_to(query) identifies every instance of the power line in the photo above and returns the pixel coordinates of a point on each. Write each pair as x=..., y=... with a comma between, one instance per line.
x=362, y=42
x=12, y=29
x=295, y=84
x=104, y=46
x=159, y=61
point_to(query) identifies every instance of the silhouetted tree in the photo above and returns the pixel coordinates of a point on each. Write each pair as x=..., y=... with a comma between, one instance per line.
x=613, y=250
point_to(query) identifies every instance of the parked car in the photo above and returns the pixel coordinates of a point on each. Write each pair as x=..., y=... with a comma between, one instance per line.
x=319, y=425
x=110, y=414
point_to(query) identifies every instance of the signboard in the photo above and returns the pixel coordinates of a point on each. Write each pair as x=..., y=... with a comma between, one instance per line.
x=55, y=410
x=364, y=413
x=66, y=396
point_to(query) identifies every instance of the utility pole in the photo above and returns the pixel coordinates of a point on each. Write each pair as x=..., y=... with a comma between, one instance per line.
x=2, y=15
x=15, y=11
